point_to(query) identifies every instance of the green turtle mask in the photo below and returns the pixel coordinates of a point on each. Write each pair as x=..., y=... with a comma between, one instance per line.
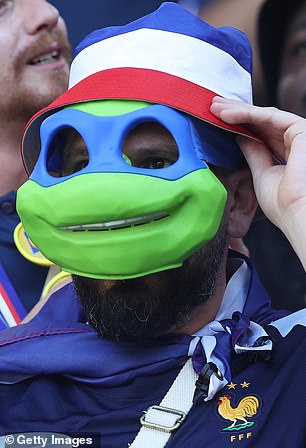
x=121, y=189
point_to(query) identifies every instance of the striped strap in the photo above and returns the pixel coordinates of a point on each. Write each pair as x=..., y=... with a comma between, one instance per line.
x=12, y=310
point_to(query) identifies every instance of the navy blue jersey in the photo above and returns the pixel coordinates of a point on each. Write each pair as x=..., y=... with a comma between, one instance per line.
x=59, y=376
x=56, y=403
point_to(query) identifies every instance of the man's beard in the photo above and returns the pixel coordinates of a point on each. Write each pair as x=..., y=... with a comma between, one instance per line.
x=147, y=307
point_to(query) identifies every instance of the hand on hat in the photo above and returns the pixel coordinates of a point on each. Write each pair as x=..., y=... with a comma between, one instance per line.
x=280, y=189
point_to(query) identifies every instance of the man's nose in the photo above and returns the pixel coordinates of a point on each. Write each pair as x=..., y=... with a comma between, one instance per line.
x=39, y=15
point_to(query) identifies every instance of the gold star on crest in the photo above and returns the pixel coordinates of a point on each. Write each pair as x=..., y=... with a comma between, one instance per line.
x=244, y=384
x=231, y=385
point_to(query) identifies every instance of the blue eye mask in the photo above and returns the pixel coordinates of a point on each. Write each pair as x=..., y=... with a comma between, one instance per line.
x=197, y=143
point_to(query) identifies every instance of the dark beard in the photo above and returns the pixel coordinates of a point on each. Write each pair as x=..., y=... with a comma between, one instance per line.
x=138, y=309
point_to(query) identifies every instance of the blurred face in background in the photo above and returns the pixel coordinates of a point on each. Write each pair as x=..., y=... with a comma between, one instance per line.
x=34, y=54
x=291, y=92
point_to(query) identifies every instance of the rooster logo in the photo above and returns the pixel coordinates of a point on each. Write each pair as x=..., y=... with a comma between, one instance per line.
x=247, y=407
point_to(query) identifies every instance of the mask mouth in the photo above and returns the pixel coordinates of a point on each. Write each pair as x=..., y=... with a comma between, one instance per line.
x=117, y=224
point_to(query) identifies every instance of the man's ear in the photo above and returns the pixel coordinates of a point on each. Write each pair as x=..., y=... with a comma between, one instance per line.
x=242, y=202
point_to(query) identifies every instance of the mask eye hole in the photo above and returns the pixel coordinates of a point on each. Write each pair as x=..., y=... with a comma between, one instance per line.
x=150, y=145
x=67, y=153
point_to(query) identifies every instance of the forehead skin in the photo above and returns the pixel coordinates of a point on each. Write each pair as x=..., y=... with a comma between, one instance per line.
x=291, y=89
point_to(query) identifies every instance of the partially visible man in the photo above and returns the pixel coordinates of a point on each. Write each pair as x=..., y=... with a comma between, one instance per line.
x=282, y=45
x=136, y=186
x=35, y=60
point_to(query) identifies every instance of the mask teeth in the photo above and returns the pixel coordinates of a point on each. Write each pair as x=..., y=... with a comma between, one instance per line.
x=118, y=224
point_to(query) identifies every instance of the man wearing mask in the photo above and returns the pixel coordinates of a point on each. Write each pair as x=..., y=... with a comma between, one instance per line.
x=137, y=184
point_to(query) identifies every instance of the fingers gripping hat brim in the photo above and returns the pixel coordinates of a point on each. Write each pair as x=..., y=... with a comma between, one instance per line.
x=168, y=57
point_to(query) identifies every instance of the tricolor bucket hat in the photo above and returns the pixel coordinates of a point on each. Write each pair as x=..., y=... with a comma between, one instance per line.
x=170, y=57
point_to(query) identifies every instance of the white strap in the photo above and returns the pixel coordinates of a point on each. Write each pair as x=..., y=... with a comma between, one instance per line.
x=159, y=422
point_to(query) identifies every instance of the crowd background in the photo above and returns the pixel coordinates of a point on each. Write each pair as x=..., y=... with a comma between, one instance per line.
x=103, y=13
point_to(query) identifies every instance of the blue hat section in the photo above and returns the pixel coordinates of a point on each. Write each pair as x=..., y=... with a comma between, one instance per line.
x=173, y=18
x=218, y=147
